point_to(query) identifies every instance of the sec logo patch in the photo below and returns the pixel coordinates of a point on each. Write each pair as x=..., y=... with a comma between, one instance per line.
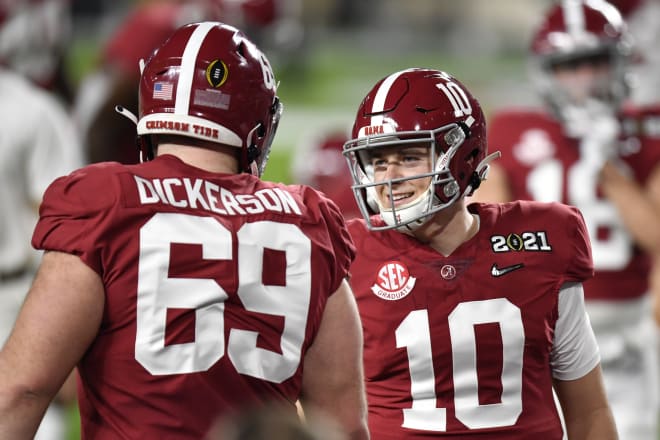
x=393, y=281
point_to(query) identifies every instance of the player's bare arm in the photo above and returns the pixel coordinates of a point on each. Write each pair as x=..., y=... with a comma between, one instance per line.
x=637, y=204
x=60, y=317
x=586, y=411
x=337, y=351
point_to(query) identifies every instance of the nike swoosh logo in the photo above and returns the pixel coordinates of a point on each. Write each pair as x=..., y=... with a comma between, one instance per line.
x=498, y=272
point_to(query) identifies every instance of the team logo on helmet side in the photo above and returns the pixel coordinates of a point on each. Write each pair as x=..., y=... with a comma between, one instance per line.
x=216, y=73
x=393, y=281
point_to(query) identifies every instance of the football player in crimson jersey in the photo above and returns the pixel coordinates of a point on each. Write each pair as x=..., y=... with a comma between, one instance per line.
x=592, y=149
x=185, y=288
x=472, y=314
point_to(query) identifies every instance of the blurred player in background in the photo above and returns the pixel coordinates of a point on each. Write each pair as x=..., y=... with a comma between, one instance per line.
x=472, y=314
x=185, y=287
x=38, y=144
x=33, y=42
x=590, y=148
x=275, y=25
x=106, y=135
x=643, y=19
x=320, y=164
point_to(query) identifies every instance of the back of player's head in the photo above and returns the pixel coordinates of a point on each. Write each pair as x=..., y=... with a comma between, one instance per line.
x=210, y=82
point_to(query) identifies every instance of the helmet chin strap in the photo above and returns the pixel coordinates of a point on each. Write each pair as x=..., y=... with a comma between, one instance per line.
x=411, y=210
x=481, y=172
x=126, y=113
x=145, y=151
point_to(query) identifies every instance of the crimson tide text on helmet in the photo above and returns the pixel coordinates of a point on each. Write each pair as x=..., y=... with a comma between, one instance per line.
x=574, y=31
x=208, y=81
x=419, y=106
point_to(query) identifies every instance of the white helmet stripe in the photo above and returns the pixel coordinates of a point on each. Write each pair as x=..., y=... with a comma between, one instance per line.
x=188, y=61
x=574, y=16
x=381, y=96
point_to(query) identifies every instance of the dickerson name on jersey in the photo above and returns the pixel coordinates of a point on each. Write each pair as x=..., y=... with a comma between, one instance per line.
x=202, y=194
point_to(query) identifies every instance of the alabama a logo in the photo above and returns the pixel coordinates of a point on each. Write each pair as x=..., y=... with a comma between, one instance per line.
x=393, y=281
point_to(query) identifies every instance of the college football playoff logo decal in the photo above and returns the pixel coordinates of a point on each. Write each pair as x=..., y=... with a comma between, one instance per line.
x=216, y=73
x=393, y=281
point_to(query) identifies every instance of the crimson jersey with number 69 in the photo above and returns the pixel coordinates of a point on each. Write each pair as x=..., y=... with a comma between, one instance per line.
x=460, y=346
x=215, y=287
x=542, y=164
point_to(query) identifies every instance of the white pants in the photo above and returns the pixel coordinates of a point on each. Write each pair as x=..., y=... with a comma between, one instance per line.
x=12, y=294
x=627, y=338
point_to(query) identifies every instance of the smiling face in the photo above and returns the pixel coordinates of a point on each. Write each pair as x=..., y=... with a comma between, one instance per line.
x=396, y=164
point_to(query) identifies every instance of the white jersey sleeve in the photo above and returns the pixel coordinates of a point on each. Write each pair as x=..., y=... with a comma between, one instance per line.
x=575, y=351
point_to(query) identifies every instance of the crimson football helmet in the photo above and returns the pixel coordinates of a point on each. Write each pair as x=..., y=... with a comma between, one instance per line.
x=208, y=81
x=575, y=31
x=419, y=106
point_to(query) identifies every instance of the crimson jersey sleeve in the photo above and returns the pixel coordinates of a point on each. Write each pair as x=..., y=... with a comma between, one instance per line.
x=73, y=214
x=580, y=266
x=542, y=163
x=573, y=253
x=343, y=248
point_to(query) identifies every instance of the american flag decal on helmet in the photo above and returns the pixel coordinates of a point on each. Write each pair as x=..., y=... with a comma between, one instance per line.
x=163, y=90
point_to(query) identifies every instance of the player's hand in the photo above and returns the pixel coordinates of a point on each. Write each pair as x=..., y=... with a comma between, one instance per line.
x=596, y=126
